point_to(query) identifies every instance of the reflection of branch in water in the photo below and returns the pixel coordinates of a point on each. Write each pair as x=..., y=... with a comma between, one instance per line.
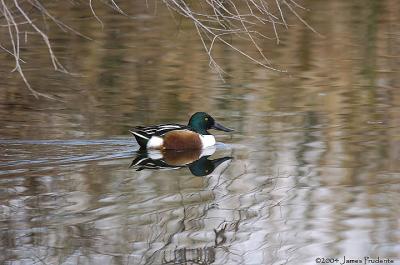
x=184, y=255
x=223, y=224
x=205, y=255
x=220, y=233
x=182, y=226
x=180, y=255
x=263, y=190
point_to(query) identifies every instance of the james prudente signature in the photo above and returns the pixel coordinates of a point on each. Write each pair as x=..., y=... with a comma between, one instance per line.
x=366, y=260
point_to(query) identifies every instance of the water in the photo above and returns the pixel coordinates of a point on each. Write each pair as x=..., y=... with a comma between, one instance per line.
x=311, y=171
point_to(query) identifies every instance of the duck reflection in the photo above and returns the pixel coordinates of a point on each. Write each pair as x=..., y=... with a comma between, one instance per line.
x=197, y=161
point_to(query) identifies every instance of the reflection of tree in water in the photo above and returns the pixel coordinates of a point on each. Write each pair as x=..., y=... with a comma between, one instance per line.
x=201, y=255
x=210, y=231
x=190, y=256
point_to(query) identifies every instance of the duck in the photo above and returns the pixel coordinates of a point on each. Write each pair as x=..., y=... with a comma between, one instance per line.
x=174, y=136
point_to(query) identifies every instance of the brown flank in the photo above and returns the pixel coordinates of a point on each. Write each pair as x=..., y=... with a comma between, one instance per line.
x=182, y=139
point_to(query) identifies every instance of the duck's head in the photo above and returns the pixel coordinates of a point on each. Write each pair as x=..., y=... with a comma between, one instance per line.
x=200, y=122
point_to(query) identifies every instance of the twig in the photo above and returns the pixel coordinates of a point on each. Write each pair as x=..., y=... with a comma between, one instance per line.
x=95, y=16
x=225, y=18
x=57, y=65
x=14, y=35
x=15, y=45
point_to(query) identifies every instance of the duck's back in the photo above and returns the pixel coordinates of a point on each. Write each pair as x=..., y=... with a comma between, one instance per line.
x=144, y=134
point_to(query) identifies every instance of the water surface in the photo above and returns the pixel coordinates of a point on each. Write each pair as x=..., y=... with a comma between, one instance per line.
x=314, y=169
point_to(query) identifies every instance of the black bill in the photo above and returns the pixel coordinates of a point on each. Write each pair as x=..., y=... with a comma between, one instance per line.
x=219, y=127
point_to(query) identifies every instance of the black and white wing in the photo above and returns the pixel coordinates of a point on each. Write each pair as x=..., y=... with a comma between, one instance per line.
x=144, y=133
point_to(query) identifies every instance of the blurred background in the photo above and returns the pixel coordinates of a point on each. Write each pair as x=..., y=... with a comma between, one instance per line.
x=315, y=168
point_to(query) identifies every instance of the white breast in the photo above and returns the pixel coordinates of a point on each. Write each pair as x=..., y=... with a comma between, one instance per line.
x=207, y=140
x=155, y=142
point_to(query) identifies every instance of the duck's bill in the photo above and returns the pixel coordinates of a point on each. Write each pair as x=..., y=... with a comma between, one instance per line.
x=219, y=127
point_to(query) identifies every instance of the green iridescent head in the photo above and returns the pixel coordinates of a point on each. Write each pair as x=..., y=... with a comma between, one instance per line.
x=200, y=122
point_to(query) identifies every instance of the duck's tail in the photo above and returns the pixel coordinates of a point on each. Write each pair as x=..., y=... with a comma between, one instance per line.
x=141, y=138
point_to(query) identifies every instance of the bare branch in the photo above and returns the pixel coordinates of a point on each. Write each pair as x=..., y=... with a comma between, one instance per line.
x=214, y=20
x=14, y=38
x=300, y=18
x=57, y=65
x=219, y=18
x=94, y=14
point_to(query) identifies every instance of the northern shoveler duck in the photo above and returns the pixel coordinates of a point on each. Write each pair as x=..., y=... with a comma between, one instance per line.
x=195, y=135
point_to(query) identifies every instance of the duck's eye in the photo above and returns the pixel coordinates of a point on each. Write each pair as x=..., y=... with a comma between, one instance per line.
x=206, y=119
